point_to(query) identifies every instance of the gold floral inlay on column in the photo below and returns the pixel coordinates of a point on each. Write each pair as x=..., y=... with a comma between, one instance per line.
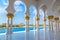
x=50, y=17
x=37, y=19
x=27, y=17
x=10, y=15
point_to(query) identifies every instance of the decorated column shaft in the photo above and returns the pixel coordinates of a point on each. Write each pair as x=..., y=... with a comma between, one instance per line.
x=56, y=30
x=27, y=17
x=27, y=28
x=50, y=23
x=44, y=28
x=37, y=18
x=10, y=15
x=9, y=27
x=37, y=28
x=10, y=19
x=44, y=9
x=57, y=23
x=51, y=27
x=58, y=26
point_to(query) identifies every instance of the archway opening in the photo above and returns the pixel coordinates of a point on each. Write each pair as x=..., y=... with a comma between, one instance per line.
x=20, y=6
x=19, y=19
x=32, y=11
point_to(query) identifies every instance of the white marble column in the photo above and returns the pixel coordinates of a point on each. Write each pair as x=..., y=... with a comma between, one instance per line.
x=45, y=29
x=58, y=26
x=49, y=30
x=44, y=26
x=44, y=8
x=27, y=30
x=10, y=9
x=27, y=17
x=51, y=33
x=7, y=29
x=51, y=25
x=57, y=23
x=37, y=32
x=11, y=26
x=7, y=26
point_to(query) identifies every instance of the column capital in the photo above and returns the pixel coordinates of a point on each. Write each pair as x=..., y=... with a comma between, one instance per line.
x=10, y=15
x=10, y=8
x=50, y=17
x=44, y=20
x=27, y=17
x=56, y=19
x=37, y=19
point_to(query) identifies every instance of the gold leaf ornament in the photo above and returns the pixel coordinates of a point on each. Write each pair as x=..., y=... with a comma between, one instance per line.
x=27, y=17
x=50, y=17
x=10, y=15
x=37, y=19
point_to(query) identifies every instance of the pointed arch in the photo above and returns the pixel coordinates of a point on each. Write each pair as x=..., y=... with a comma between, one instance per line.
x=32, y=11
x=20, y=6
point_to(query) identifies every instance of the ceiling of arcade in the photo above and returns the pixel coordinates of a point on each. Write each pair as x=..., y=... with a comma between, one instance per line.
x=52, y=6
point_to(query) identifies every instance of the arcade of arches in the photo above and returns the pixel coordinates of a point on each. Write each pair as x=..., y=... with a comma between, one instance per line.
x=34, y=12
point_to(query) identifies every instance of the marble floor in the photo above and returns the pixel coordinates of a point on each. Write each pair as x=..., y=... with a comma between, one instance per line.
x=21, y=36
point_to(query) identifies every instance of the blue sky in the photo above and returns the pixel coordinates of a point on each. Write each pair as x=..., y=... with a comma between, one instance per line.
x=20, y=10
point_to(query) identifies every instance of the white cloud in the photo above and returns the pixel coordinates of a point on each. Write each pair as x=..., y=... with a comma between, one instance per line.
x=1, y=10
x=18, y=2
x=20, y=6
x=5, y=3
x=17, y=8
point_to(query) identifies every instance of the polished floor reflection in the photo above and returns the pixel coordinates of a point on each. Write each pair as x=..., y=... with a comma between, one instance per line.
x=21, y=35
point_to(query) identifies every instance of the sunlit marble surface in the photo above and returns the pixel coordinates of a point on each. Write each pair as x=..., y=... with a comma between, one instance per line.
x=21, y=36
